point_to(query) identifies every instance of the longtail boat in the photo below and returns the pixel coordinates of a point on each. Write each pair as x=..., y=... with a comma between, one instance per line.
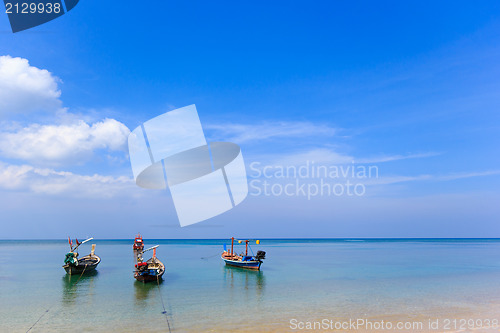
x=74, y=265
x=138, y=243
x=243, y=260
x=149, y=270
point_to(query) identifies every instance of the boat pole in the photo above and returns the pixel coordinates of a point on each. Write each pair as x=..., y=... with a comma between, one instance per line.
x=85, y=241
x=246, y=247
x=232, y=242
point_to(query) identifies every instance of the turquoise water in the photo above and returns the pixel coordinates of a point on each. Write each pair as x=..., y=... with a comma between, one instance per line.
x=302, y=279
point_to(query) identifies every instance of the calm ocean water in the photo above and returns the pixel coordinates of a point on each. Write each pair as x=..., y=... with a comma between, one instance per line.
x=302, y=279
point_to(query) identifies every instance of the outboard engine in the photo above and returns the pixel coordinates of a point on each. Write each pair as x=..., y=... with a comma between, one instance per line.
x=260, y=255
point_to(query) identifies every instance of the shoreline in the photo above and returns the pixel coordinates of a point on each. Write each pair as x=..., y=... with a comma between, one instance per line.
x=444, y=322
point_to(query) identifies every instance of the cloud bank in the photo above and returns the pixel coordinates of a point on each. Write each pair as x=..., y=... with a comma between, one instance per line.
x=242, y=133
x=52, y=182
x=66, y=143
x=68, y=140
x=24, y=88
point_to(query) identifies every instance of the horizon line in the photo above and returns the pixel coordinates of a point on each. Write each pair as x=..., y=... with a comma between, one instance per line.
x=271, y=238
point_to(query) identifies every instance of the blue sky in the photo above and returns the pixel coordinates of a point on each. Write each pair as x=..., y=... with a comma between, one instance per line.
x=412, y=89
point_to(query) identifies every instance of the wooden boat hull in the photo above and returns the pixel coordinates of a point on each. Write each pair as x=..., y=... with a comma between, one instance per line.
x=85, y=265
x=148, y=278
x=251, y=264
x=144, y=277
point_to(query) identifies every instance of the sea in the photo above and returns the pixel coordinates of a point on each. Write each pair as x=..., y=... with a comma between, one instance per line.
x=304, y=285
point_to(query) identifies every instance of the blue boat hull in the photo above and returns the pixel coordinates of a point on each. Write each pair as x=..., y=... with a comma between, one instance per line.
x=253, y=264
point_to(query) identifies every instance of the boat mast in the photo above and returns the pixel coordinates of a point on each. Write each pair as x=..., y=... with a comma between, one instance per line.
x=85, y=241
x=232, y=243
x=246, y=247
x=151, y=248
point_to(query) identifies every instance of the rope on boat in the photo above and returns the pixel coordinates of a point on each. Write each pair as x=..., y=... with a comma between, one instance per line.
x=251, y=250
x=46, y=311
x=218, y=253
x=36, y=322
x=84, y=268
x=162, y=303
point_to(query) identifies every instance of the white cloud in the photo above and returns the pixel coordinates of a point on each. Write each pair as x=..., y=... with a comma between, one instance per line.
x=24, y=88
x=327, y=156
x=391, y=158
x=438, y=178
x=318, y=156
x=52, y=182
x=54, y=144
x=387, y=180
x=345, y=163
x=240, y=133
x=454, y=176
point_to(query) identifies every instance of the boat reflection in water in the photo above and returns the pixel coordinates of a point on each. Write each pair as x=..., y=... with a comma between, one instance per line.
x=78, y=285
x=244, y=282
x=144, y=291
